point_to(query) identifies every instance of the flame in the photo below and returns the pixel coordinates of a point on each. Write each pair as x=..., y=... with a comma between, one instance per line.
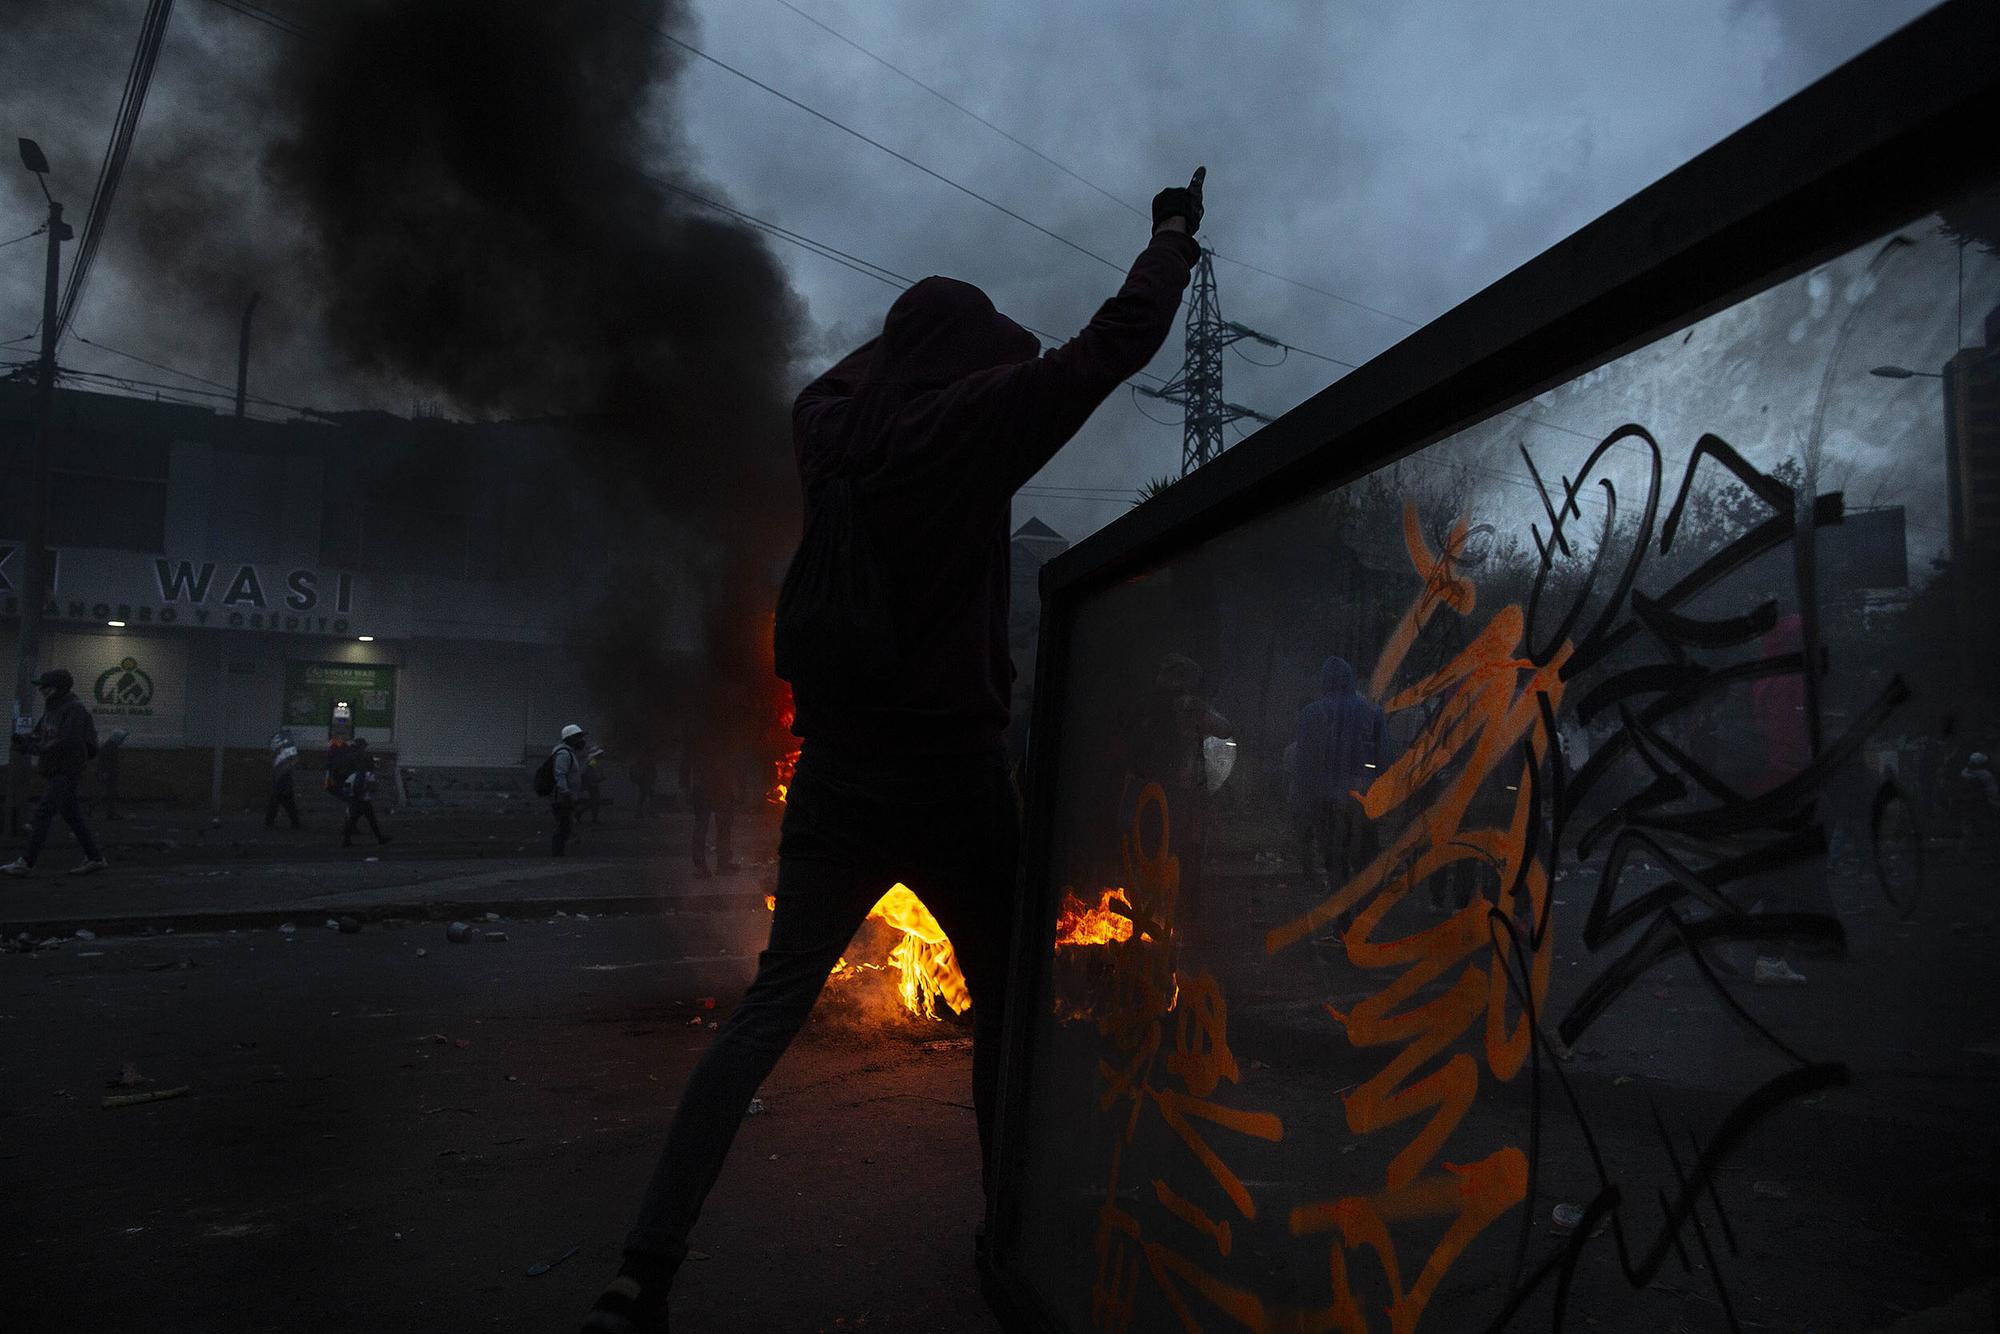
x=1077, y=923
x=926, y=968
x=787, y=761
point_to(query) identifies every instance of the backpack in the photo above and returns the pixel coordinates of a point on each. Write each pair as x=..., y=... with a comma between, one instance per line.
x=833, y=634
x=545, y=776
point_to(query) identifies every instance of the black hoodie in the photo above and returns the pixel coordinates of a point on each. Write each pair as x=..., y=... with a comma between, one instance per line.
x=938, y=421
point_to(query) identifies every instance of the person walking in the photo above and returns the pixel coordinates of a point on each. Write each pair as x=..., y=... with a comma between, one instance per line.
x=283, y=795
x=917, y=442
x=62, y=744
x=568, y=766
x=359, y=788
x=644, y=773
x=709, y=777
x=1342, y=741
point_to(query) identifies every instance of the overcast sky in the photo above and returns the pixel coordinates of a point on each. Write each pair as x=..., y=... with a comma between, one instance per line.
x=1401, y=153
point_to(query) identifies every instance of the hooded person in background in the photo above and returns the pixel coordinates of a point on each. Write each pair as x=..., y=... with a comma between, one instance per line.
x=359, y=788
x=568, y=769
x=1343, y=743
x=284, y=763
x=62, y=743
x=932, y=426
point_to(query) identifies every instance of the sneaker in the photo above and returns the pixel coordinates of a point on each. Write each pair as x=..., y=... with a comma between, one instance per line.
x=1777, y=973
x=90, y=867
x=18, y=867
x=627, y=1307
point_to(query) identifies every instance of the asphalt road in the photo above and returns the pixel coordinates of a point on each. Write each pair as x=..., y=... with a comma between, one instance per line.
x=378, y=1139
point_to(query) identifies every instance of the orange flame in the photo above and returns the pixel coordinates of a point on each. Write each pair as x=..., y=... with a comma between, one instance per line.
x=926, y=968
x=1077, y=923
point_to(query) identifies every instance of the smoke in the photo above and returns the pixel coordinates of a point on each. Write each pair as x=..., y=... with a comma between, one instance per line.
x=463, y=201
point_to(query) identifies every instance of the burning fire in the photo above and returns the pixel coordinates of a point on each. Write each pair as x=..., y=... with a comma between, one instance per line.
x=1077, y=923
x=926, y=969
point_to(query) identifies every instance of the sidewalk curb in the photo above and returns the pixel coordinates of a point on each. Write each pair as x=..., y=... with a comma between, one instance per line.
x=304, y=915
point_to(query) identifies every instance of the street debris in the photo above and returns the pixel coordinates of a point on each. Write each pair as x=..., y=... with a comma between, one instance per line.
x=85, y=933
x=153, y=1095
x=706, y=1002
x=1568, y=1217
x=286, y=928
x=458, y=932
x=694, y=1022
x=128, y=1078
x=496, y=936
x=423, y=953
x=1771, y=1190
x=490, y=917
x=536, y=1270
x=332, y=925
x=756, y=1106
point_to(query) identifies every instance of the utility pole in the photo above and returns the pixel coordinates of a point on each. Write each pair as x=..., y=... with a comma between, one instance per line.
x=1198, y=387
x=34, y=584
x=243, y=352
x=221, y=644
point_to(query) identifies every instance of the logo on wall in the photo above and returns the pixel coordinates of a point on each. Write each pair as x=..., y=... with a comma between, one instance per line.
x=125, y=689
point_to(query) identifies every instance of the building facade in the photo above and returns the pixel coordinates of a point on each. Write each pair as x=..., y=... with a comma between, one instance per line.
x=215, y=578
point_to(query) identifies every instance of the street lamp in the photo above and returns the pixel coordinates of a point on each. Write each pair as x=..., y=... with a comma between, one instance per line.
x=1902, y=373
x=35, y=588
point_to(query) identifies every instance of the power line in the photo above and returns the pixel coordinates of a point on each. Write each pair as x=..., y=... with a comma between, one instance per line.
x=845, y=128
x=882, y=273
x=25, y=236
x=1073, y=175
x=101, y=347
x=264, y=16
x=224, y=390
x=138, y=78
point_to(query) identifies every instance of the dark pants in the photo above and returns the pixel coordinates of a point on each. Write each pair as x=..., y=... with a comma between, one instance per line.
x=708, y=810
x=58, y=798
x=565, y=826
x=1339, y=828
x=282, y=799
x=357, y=811
x=949, y=828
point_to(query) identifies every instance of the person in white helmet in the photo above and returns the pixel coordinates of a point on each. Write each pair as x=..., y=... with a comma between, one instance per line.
x=568, y=763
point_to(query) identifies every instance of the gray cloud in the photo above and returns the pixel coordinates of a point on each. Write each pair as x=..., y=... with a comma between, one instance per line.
x=1406, y=154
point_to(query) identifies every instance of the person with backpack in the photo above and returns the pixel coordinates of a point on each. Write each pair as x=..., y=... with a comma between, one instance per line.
x=359, y=789
x=560, y=778
x=283, y=796
x=892, y=629
x=62, y=743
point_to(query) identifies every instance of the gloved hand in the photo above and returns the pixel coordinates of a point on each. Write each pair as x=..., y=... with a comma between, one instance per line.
x=1182, y=202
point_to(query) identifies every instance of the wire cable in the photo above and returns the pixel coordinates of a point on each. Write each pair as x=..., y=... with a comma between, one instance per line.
x=132, y=103
x=25, y=236
x=1074, y=175
x=845, y=128
x=257, y=14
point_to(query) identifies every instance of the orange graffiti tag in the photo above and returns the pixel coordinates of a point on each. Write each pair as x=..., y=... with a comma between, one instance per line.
x=1487, y=705
x=1145, y=990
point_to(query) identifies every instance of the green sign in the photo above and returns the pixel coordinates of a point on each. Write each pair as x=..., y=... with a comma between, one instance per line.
x=311, y=688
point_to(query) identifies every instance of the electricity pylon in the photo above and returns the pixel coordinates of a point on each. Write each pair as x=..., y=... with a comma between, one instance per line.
x=1198, y=387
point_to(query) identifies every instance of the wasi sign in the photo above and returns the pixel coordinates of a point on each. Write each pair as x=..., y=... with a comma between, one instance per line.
x=155, y=590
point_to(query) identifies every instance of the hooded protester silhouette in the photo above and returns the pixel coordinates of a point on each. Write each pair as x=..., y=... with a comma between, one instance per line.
x=1342, y=744
x=909, y=451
